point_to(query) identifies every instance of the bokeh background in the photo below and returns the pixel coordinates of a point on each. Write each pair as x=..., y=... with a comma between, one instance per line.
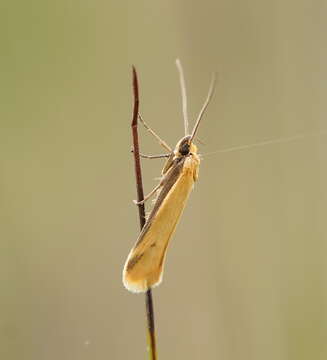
x=246, y=271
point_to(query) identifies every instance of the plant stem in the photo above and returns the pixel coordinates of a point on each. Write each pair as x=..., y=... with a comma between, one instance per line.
x=151, y=338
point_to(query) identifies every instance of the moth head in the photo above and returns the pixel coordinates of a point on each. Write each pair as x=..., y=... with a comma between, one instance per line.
x=185, y=146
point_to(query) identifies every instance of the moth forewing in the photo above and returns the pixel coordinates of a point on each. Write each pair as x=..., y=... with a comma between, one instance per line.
x=144, y=265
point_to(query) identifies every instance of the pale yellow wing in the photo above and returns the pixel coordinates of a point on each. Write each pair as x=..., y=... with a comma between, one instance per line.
x=144, y=266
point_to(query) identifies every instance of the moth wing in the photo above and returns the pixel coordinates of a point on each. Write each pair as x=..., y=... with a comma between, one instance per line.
x=144, y=265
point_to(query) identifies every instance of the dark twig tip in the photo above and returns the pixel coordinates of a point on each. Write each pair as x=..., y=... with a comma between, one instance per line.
x=136, y=97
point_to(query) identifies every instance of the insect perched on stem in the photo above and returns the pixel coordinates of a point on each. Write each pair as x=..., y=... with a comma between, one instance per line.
x=144, y=265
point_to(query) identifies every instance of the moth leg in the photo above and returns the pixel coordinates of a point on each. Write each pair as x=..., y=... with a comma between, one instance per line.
x=161, y=142
x=147, y=197
x=159, y=156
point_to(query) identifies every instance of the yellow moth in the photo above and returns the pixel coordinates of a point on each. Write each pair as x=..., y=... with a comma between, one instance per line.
x=144, y=265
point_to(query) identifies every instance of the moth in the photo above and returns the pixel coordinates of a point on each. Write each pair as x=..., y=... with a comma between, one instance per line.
x=145, y=263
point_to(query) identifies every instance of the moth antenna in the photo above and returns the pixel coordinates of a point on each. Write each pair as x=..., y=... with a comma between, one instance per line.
x=184, y=97
x=206, y=103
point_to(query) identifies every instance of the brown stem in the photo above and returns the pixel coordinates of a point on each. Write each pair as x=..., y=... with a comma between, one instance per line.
x=140, y=197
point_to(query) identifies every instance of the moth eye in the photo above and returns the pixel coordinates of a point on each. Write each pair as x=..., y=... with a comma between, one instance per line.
x=184, y=149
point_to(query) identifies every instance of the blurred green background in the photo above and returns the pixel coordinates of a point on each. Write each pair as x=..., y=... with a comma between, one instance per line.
x=246, y=271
